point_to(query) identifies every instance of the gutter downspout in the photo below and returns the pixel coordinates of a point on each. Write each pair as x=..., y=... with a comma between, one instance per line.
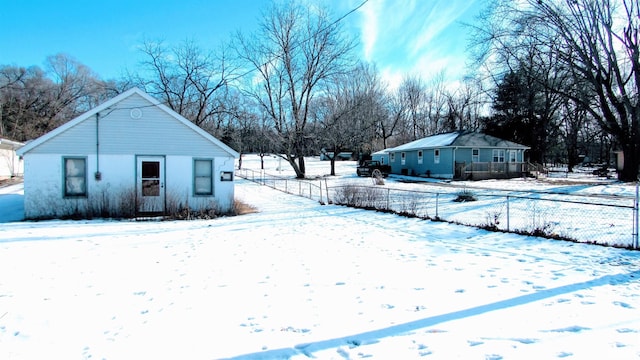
x=98, y=175
x=454, y=161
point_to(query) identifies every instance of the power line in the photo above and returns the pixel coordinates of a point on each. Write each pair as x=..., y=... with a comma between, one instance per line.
x=307, y=39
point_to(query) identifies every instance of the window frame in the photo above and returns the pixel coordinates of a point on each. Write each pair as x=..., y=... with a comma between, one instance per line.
x=436, y=156
x=420, y=156
x=208, y=177
x=65, y=177
x=498, y=156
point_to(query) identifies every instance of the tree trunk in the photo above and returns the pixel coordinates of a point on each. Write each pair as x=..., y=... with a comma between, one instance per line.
x=631, y=152
x=300, y=173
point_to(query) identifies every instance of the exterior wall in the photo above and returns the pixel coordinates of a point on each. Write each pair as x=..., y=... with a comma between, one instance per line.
x=10, y=164
x=444, y=169
x=44, y=184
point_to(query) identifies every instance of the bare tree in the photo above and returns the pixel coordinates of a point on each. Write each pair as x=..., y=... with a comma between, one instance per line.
x=465, y=106
x=186, y=78
x=436, y=106
x=34, y=101
x=348, y=111
x=412, y=100
x=295, y=50
x=597, y=43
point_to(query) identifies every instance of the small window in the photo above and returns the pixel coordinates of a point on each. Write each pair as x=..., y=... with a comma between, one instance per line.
x=203, y=177
x=75, y=177
x=475, y=155
x=392, y=157
x=498, y=155
x=436, y=156
x=403, y=158
x=419, y=156
x=512, y=156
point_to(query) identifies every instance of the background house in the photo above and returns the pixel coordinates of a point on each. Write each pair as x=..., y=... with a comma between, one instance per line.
x=10, y=163
x=382, y=156
x=459, y=155
x=129, y=155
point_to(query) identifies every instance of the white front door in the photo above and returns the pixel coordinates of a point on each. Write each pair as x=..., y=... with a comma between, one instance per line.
x=513, y=166
x=150, y=184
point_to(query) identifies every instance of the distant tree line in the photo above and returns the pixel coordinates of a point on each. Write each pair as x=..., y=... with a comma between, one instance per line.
x=560, y=76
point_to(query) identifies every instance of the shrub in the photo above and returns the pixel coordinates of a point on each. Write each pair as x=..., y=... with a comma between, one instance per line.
x=360, y=196
x=464, y=196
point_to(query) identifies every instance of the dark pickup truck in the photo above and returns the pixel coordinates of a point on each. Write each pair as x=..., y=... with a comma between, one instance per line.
x=367, y=168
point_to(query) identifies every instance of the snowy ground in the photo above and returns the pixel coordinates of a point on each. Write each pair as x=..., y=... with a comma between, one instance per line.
x=302, y=280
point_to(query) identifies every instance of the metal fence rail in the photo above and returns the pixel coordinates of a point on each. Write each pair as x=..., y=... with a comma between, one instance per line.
x=611, y=221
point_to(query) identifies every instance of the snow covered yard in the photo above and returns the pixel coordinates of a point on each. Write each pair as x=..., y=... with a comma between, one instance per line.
x=299, y=280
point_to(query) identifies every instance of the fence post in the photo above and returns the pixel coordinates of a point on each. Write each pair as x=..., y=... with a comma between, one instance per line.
x=635, y=220
x=508, y=217
x=326, y=188
x=388, y=199
x=437, y=199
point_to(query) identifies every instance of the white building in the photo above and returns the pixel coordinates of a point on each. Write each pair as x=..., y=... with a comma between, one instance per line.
x=10, y=163
x=129, y=156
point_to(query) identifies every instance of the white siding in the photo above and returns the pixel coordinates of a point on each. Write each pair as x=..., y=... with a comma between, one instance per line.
x=10, y=164
x=156, y=132
x=44, y=183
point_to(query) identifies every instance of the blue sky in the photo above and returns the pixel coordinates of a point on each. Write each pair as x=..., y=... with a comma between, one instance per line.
x=401, y=36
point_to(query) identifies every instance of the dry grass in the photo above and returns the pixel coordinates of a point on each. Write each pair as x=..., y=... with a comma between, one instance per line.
x=241, y=208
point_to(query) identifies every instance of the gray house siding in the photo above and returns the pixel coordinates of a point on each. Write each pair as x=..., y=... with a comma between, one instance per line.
x=115, y=131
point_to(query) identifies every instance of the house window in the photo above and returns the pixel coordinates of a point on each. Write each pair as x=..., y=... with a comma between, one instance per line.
x=498, y=155
x=436, y=156
x=419, y=156
x=392, y=157
x=203, y=177
x=75, y=177
x=403, y=158
x=512, y=156
x=475, y=155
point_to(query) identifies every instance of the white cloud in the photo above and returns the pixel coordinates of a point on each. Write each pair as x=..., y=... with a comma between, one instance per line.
x=414, y=37
x=370, y=14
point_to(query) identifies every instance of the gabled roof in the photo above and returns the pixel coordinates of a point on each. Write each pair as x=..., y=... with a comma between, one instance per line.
x=55, y=132
x=459, y=139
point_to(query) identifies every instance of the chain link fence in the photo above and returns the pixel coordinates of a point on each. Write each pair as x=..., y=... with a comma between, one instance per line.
x=589, y=219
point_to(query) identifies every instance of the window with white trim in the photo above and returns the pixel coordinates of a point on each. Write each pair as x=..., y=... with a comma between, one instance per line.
x=75, y=176
x=436, y=156
x=403, y=158
x=392, y=157
x=512, y=156
x=498, y=155
x=419, y=156
x=203, y=177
